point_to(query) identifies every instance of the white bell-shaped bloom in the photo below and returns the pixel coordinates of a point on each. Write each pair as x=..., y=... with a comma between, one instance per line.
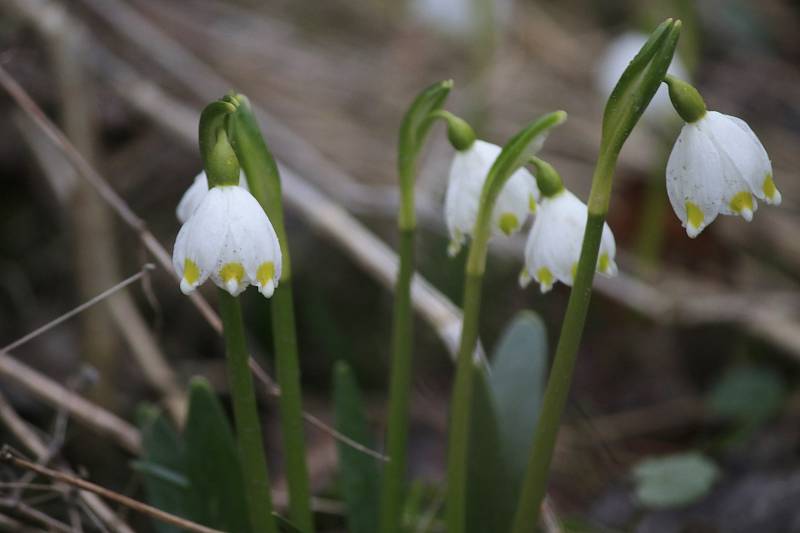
x=195, y=194
x=554, y=243
x=467, y=175
x=718, y=166
x=615, y=60
x=229, y=239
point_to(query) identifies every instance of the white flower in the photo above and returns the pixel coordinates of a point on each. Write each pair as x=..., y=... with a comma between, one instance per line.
x=616, y=59
x=716, y=166
x=554, y=243
x=195, y=194
x=467, y=176
x=229, y=239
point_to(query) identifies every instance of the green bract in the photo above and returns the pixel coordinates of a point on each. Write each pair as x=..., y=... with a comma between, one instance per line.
x=413, y=130
x=638, y=85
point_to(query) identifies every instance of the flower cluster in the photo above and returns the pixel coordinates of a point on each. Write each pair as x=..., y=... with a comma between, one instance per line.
x=554, y=243
x=228, y=237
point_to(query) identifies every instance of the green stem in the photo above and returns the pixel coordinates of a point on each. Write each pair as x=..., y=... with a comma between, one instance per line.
x=458, y=440
x=650, y=235
x=264, y=181
x=245, y=410
x=291, y=407
x=458, y=444
x=534, y=486
x=399, y=388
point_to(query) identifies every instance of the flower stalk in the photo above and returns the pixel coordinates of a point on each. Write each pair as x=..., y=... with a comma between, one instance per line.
x=625, y=106
x=222, y=167
x=512, y=157
x=264, y=182
x=413, y=132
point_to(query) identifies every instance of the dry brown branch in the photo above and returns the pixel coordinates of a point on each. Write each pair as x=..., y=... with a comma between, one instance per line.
x=103, y=422
x=8, y=456
x=35, y=445
x=126, y=317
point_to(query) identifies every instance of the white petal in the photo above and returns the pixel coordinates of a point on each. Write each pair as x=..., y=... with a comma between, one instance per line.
x=554, y=243
x=695, y=176
x=467, y=176
x=208, y=229
x=515, y=200
x=734, y=138
x=192, y=197
x=196, y=192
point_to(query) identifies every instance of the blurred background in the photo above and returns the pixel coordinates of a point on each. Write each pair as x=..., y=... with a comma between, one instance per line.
x=694, y=349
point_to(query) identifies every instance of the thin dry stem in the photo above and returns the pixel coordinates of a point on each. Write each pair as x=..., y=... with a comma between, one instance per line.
x=8, y=456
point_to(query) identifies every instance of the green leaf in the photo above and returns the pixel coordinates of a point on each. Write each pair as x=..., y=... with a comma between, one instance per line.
x=637, y=85
x=748, y=394
x=519, y=374
x=284, y=525
x=359, y=472
x=674, y=480
x=489, y=498
x=217, y=497
x=162, y=466
x=505, y=409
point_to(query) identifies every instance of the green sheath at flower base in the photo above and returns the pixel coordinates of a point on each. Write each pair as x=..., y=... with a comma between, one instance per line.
x=264, y=182
x=547, y=178
x=459, y=132
x=219, y=159
x=625, y=106
x=413, y=132
x=514, y=154
x=685, y=99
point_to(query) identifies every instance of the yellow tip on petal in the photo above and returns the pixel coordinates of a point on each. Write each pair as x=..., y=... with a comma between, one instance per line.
x=545, y=279
x=742, y=204
x=231, y=271
x=453, y=248
x=265, y=273
x=532, y=204
x=771, y=192
x=694, y=220
x=191, y=272
x=508, y=223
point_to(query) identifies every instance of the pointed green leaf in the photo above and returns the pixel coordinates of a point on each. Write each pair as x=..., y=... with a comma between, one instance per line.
x=505, y=409
x=217, y=498
x=518, y=378
x=488, y=496
x=162, y=457
x=359, y=472
x=637, y=85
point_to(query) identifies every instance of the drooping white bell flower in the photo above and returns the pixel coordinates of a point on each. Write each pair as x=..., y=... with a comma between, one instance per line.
x=195, y=194
x=230, y=239
x=615, y=60
x=468, y=173
x=554, y=243
x=718, y=166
